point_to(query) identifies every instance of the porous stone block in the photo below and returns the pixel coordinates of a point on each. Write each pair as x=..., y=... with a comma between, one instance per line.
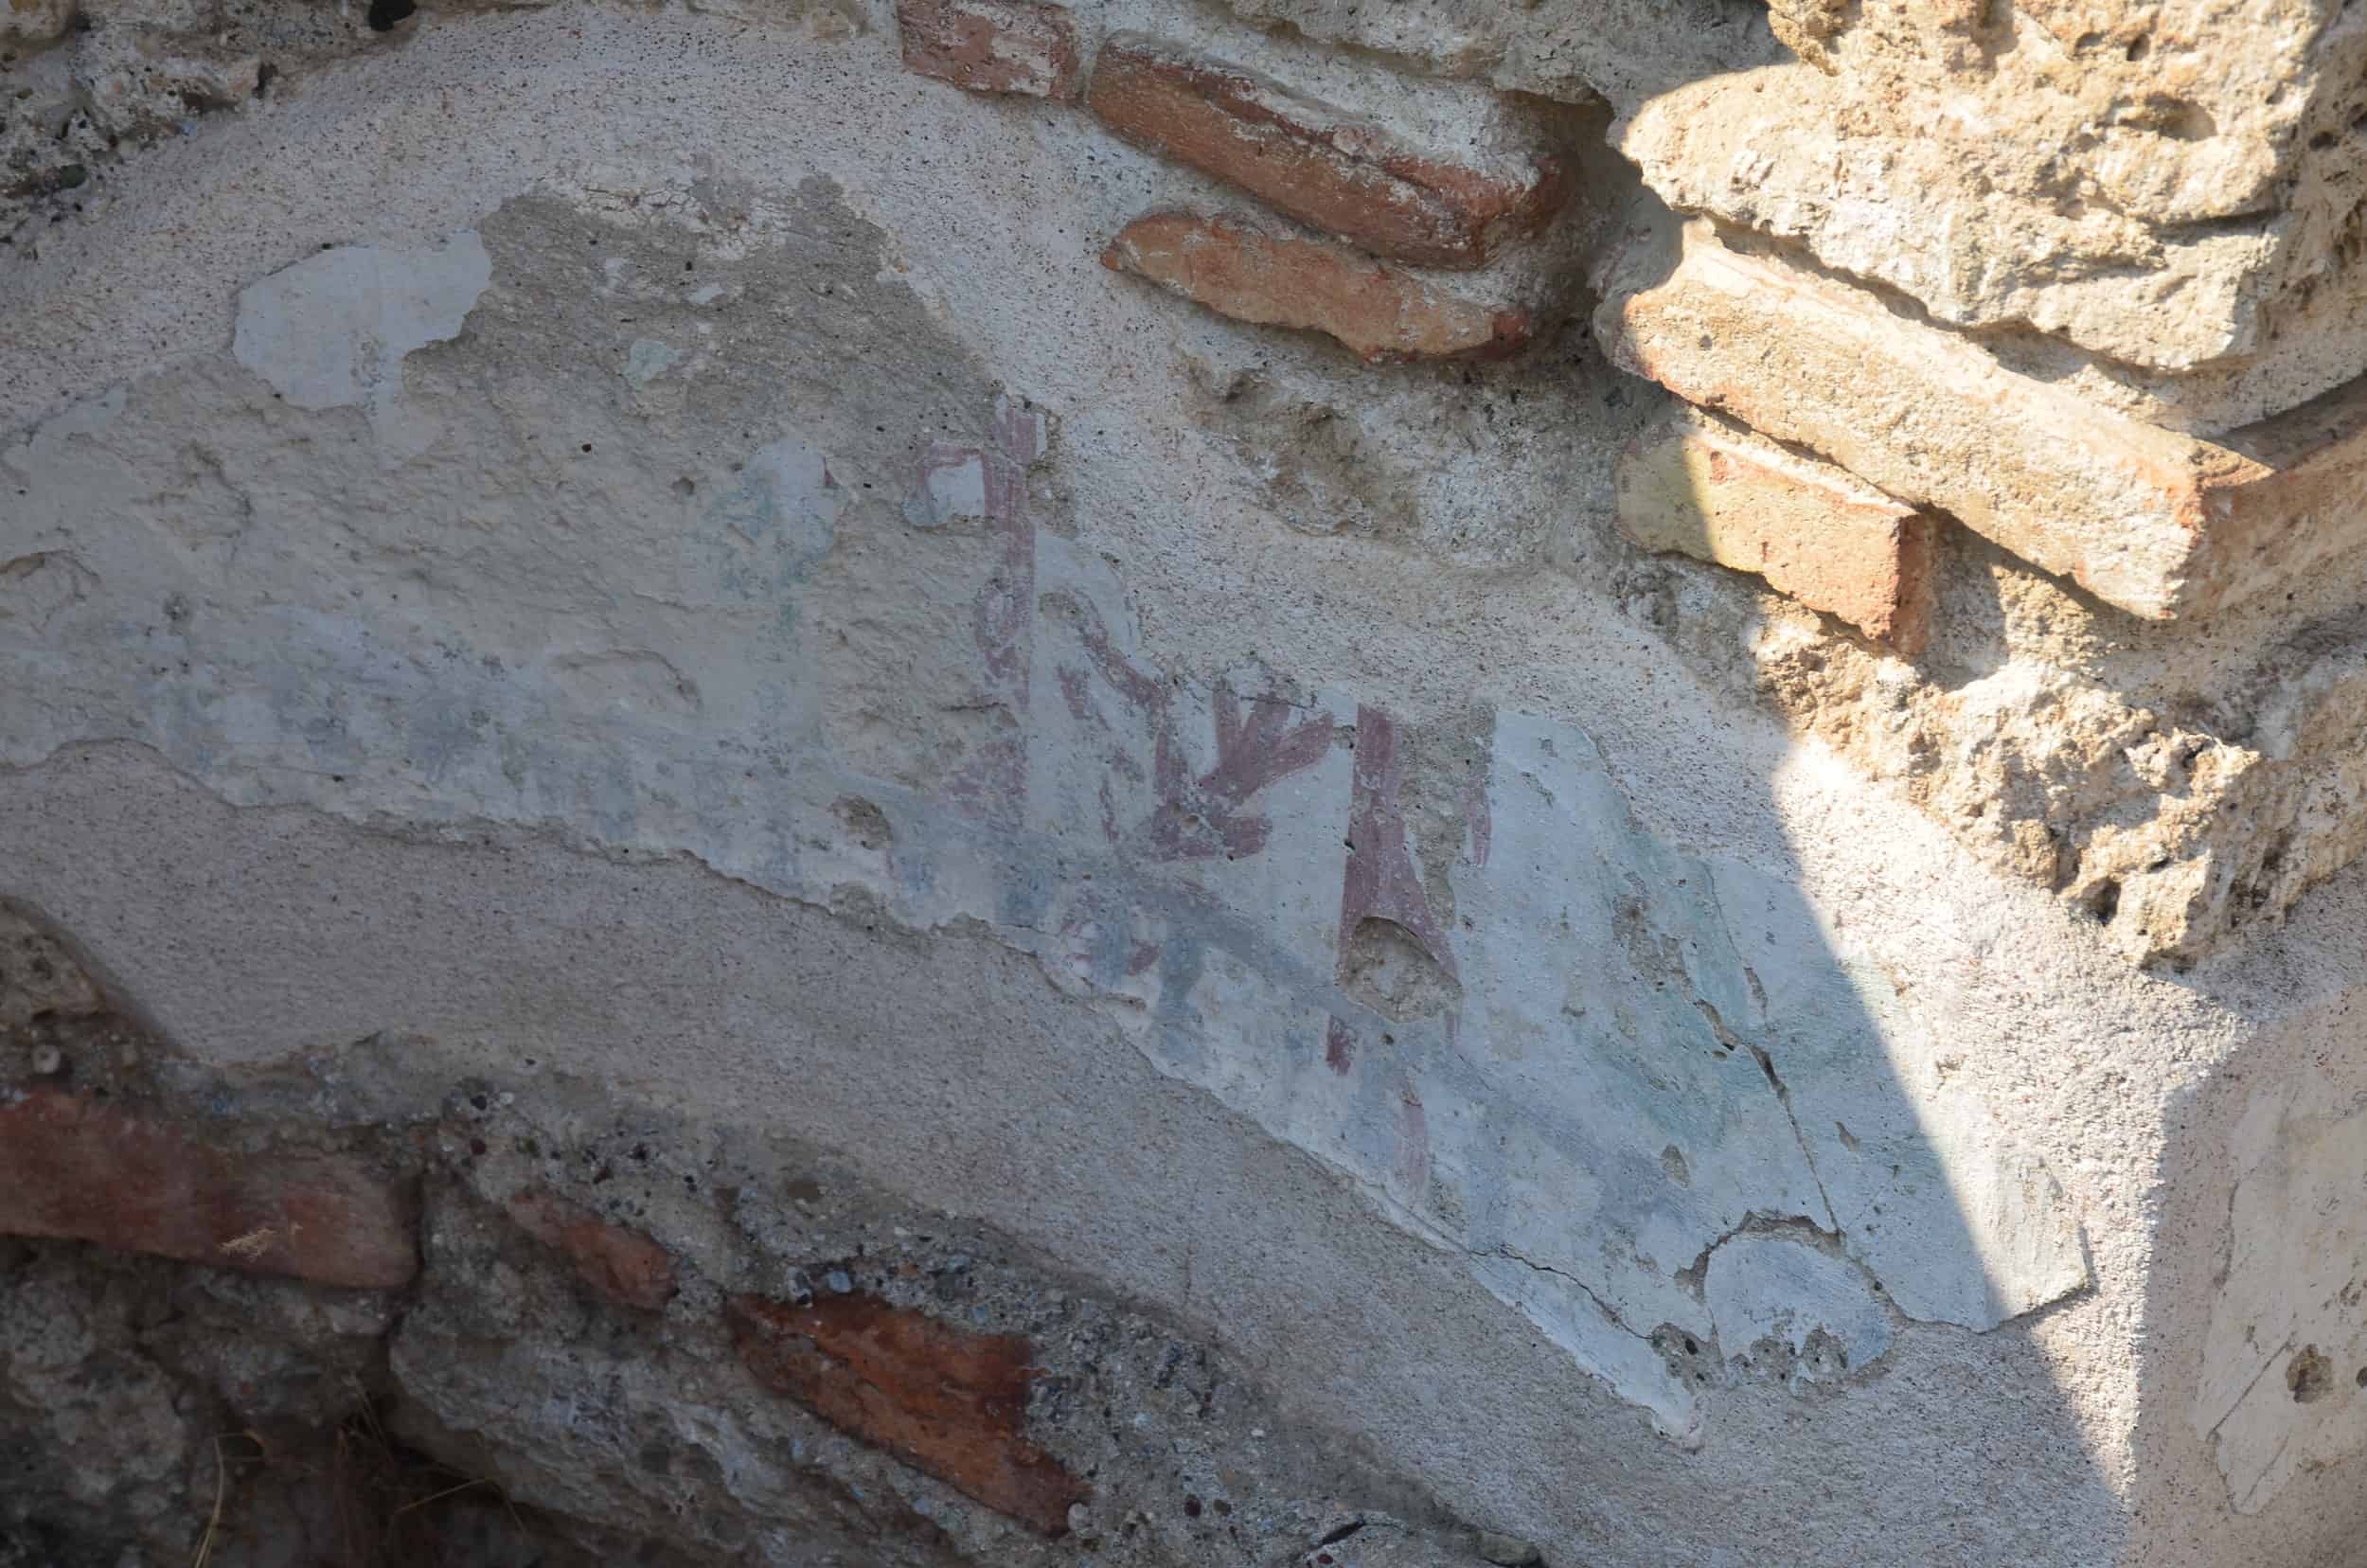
x=1334, y=170
x=38, y=977
x=992, y=45
x=1381, y=313
x=2159, y=523
x=1935, y=144
x=1705, y=486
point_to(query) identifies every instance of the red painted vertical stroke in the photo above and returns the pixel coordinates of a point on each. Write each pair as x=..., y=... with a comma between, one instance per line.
x=1380, y=881
x=993, y=784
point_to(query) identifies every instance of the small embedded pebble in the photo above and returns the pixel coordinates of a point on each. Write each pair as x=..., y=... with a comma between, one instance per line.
x=1508, y=1551
x=839, y=1281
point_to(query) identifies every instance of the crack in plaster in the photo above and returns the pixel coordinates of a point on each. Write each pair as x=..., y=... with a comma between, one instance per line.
x=1601, y=1305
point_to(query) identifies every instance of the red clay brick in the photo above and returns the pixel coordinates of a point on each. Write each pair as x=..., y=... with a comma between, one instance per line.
x=944, y=1401
x=1381, y=313
x=1710, y=488
x=1329, y=168
x=619, y=1263
x=992, y=45
x=75, y=1168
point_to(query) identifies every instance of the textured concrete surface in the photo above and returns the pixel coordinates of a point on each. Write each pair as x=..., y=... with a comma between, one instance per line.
x=705, y=593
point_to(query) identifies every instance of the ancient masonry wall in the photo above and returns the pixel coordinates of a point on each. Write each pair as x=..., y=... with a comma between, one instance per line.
x=1294, y=781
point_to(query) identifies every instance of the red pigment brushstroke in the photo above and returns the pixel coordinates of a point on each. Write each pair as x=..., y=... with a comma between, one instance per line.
x=1259, y=741
x=1338, y=1049
x=993, y=782
x=1380, y=881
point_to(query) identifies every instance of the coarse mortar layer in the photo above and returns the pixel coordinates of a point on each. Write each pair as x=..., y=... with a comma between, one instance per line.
x=580, y=563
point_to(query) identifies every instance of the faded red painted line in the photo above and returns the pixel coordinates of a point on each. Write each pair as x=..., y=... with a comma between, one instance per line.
x=1380, y=881
x=1338, y=1049
x=1260, y=740
x=992, y=784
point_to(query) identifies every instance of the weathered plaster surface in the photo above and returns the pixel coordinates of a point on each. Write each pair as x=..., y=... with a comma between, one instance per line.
x=741, y=601
x=2287, y=1325
x=332, y=331
x=1611, y=1055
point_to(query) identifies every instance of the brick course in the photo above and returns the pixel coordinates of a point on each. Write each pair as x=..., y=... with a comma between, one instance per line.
x=2157, y=522
x=1331, y=169
x=946, y=1400
x=75, y=1168
x=1376, y=311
